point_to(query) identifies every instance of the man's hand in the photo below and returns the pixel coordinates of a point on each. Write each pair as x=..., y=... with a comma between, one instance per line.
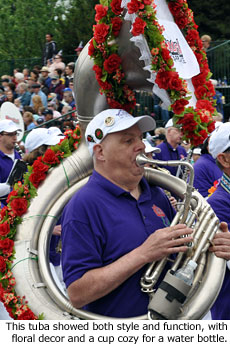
x=166, y=241
x=57, y=230
x=221, y=242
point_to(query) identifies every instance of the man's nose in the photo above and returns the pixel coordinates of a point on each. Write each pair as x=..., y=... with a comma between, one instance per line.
x=140, y=146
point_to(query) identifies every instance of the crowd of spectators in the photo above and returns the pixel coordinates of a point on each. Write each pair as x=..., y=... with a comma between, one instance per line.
x=42, y=94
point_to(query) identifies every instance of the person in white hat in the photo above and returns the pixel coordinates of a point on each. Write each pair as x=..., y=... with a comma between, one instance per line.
x=37, y=141
x=36, y=145
x=171, y=148
x=219, y=147
x=116, y=223
x=8, y=140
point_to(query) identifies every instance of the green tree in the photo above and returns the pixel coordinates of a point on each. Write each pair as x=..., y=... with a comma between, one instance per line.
x=212, y=17
x=23, y=26
x=76, y=25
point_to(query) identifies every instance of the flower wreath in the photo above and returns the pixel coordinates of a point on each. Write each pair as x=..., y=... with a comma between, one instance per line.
x=196, y=123
x=18, y=202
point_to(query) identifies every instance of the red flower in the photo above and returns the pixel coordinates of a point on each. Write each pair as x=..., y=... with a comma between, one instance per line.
x=100, y=32
x=114, y=104
x=179, y=105
x=192, y=37
x=101, y=11
x=134, y=5
x=4, y=228
x=168, y=80
x=203, y=134
x=116, y=7
x=165, y=54
x=116, y=25
x=199, y=79
x=175, y=83
x=11, y=194
x=138, y=26
x=37, y=178
x=3, y=212
x=6, y=245
x=205, y=104
x=211, y=127
x=174, y=7
x=147, y=2
x=2, y=264
x=105, y=85
x=162, y=79
x=188, y=122
x=112, y=63
x=201, y=92
x=50, y=157
x=98, y=71
x=19, y=206
x=40, y=167
x=181, y=21
x=91, y=48
x=27, y=315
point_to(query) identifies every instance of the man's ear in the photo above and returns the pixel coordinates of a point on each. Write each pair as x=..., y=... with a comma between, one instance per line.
x=224, y=159
x=98, y=152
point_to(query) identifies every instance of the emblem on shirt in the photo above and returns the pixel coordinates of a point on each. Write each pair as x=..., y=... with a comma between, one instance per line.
x=99, y=134
x=90, y=138
x=159, y=212
x=109, y=121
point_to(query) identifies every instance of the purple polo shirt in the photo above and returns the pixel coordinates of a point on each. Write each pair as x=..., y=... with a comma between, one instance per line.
x=6, y=164
x=170, y=153
x=206, y=172
x=220, y=202
x=101, y=223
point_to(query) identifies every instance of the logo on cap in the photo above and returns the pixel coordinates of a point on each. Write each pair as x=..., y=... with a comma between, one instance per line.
x=90, y=138
x=99, y=134
x=109, y=121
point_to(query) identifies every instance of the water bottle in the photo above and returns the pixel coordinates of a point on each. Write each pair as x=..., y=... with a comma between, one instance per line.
x=225, y=81
x=186, y=273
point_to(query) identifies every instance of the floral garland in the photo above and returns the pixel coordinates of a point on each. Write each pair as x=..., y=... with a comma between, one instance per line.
x=196, y=123
x=18, y=202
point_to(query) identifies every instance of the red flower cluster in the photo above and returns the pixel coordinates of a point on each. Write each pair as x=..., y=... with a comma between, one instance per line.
x=200, y=122
x=107, y=62
x=112, y=63
x=138, y=26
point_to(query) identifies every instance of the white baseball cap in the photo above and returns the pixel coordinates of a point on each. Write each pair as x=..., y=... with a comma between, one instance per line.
x=40, y=136
x=149, y=148
x=54, y=130
x=169, y=123
x=219, y=140
x=114, y=120
x=8, y=125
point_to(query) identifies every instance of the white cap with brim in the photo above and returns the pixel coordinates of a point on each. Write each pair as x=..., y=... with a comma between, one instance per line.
x=149, y=148
x=114, y=120
x=169, y=123
x=219, y=140
x=54, y=130
x=8, y=125
x=40, y=136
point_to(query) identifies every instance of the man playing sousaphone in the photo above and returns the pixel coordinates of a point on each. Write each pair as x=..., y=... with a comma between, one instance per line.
x=117, y=223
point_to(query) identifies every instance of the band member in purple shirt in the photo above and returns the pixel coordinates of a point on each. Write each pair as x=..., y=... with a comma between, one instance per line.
x=206, y=172
x=219, y=147
x=117, y=223
x=171, y=149
x=8, y=139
